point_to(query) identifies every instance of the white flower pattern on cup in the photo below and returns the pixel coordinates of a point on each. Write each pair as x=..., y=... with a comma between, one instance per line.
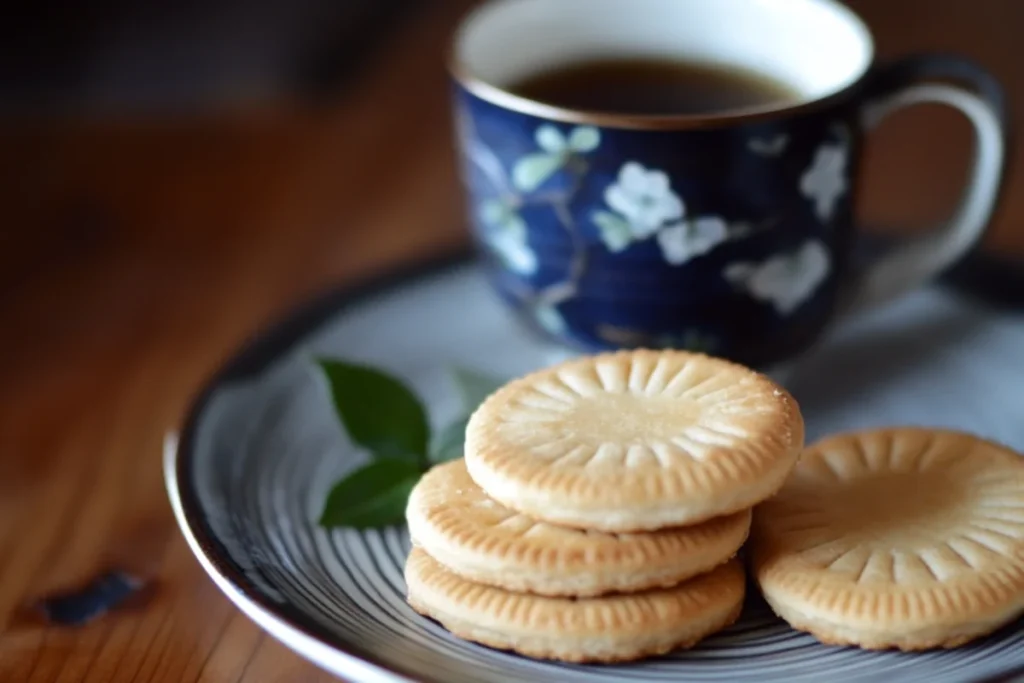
x=642, y=207
x=691, y=238
x=644, y=198
x=531, y=171
x=824, y=182
x=785, y=281
x=645, y=206
x=769, y=147
x=506, y=235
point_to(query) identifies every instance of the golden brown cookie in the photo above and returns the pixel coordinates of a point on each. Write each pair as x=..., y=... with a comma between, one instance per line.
x=634, y=440
x=613, y=628
x=898, y=538
x=481, y=540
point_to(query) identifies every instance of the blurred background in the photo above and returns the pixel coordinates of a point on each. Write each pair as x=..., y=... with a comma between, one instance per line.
x=175, y=174
x=155, y=149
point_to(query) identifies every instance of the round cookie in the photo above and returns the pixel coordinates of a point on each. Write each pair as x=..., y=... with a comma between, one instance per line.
x=634, y=440
x=452, y=519
x=615, y=628
x=897, y=538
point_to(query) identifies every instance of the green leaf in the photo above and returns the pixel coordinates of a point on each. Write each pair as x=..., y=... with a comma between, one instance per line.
x=378, y=411
x=550, y=139
x=550, y=319
x=449, y=442
x=493, y=211
x=474, y=387
x=615, y=232
x=514, y=225
x=373, y=496
x=504, y=218
x=584, y=139
x=532, y=170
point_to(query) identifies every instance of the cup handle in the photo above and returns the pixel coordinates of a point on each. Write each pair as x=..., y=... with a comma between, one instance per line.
x=963, y=85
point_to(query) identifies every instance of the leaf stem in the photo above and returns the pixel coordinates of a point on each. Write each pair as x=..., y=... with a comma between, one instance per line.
x=560, y=203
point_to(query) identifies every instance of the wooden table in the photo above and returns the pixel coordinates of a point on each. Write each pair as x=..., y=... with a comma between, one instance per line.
x=136, y=255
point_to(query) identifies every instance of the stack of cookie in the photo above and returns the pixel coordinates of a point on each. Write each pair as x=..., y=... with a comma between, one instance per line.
x=599, y=504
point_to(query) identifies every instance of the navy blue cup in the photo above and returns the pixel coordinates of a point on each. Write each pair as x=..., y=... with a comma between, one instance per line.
x=731, y=233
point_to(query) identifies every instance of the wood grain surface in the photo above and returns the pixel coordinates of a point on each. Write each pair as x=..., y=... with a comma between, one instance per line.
x=135, y=255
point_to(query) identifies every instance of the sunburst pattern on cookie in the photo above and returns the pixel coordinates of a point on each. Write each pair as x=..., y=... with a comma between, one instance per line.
x=455, y=522
x=898, y=525
x=640, y=428
x=655, y=409
x=612, y=628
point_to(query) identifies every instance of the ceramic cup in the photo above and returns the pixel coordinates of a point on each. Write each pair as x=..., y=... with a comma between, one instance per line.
x=731, y=233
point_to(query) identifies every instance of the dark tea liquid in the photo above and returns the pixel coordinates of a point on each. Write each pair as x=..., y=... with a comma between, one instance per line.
x=653, y=86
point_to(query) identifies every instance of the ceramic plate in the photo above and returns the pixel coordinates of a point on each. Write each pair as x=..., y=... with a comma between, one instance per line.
x=249, y=473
